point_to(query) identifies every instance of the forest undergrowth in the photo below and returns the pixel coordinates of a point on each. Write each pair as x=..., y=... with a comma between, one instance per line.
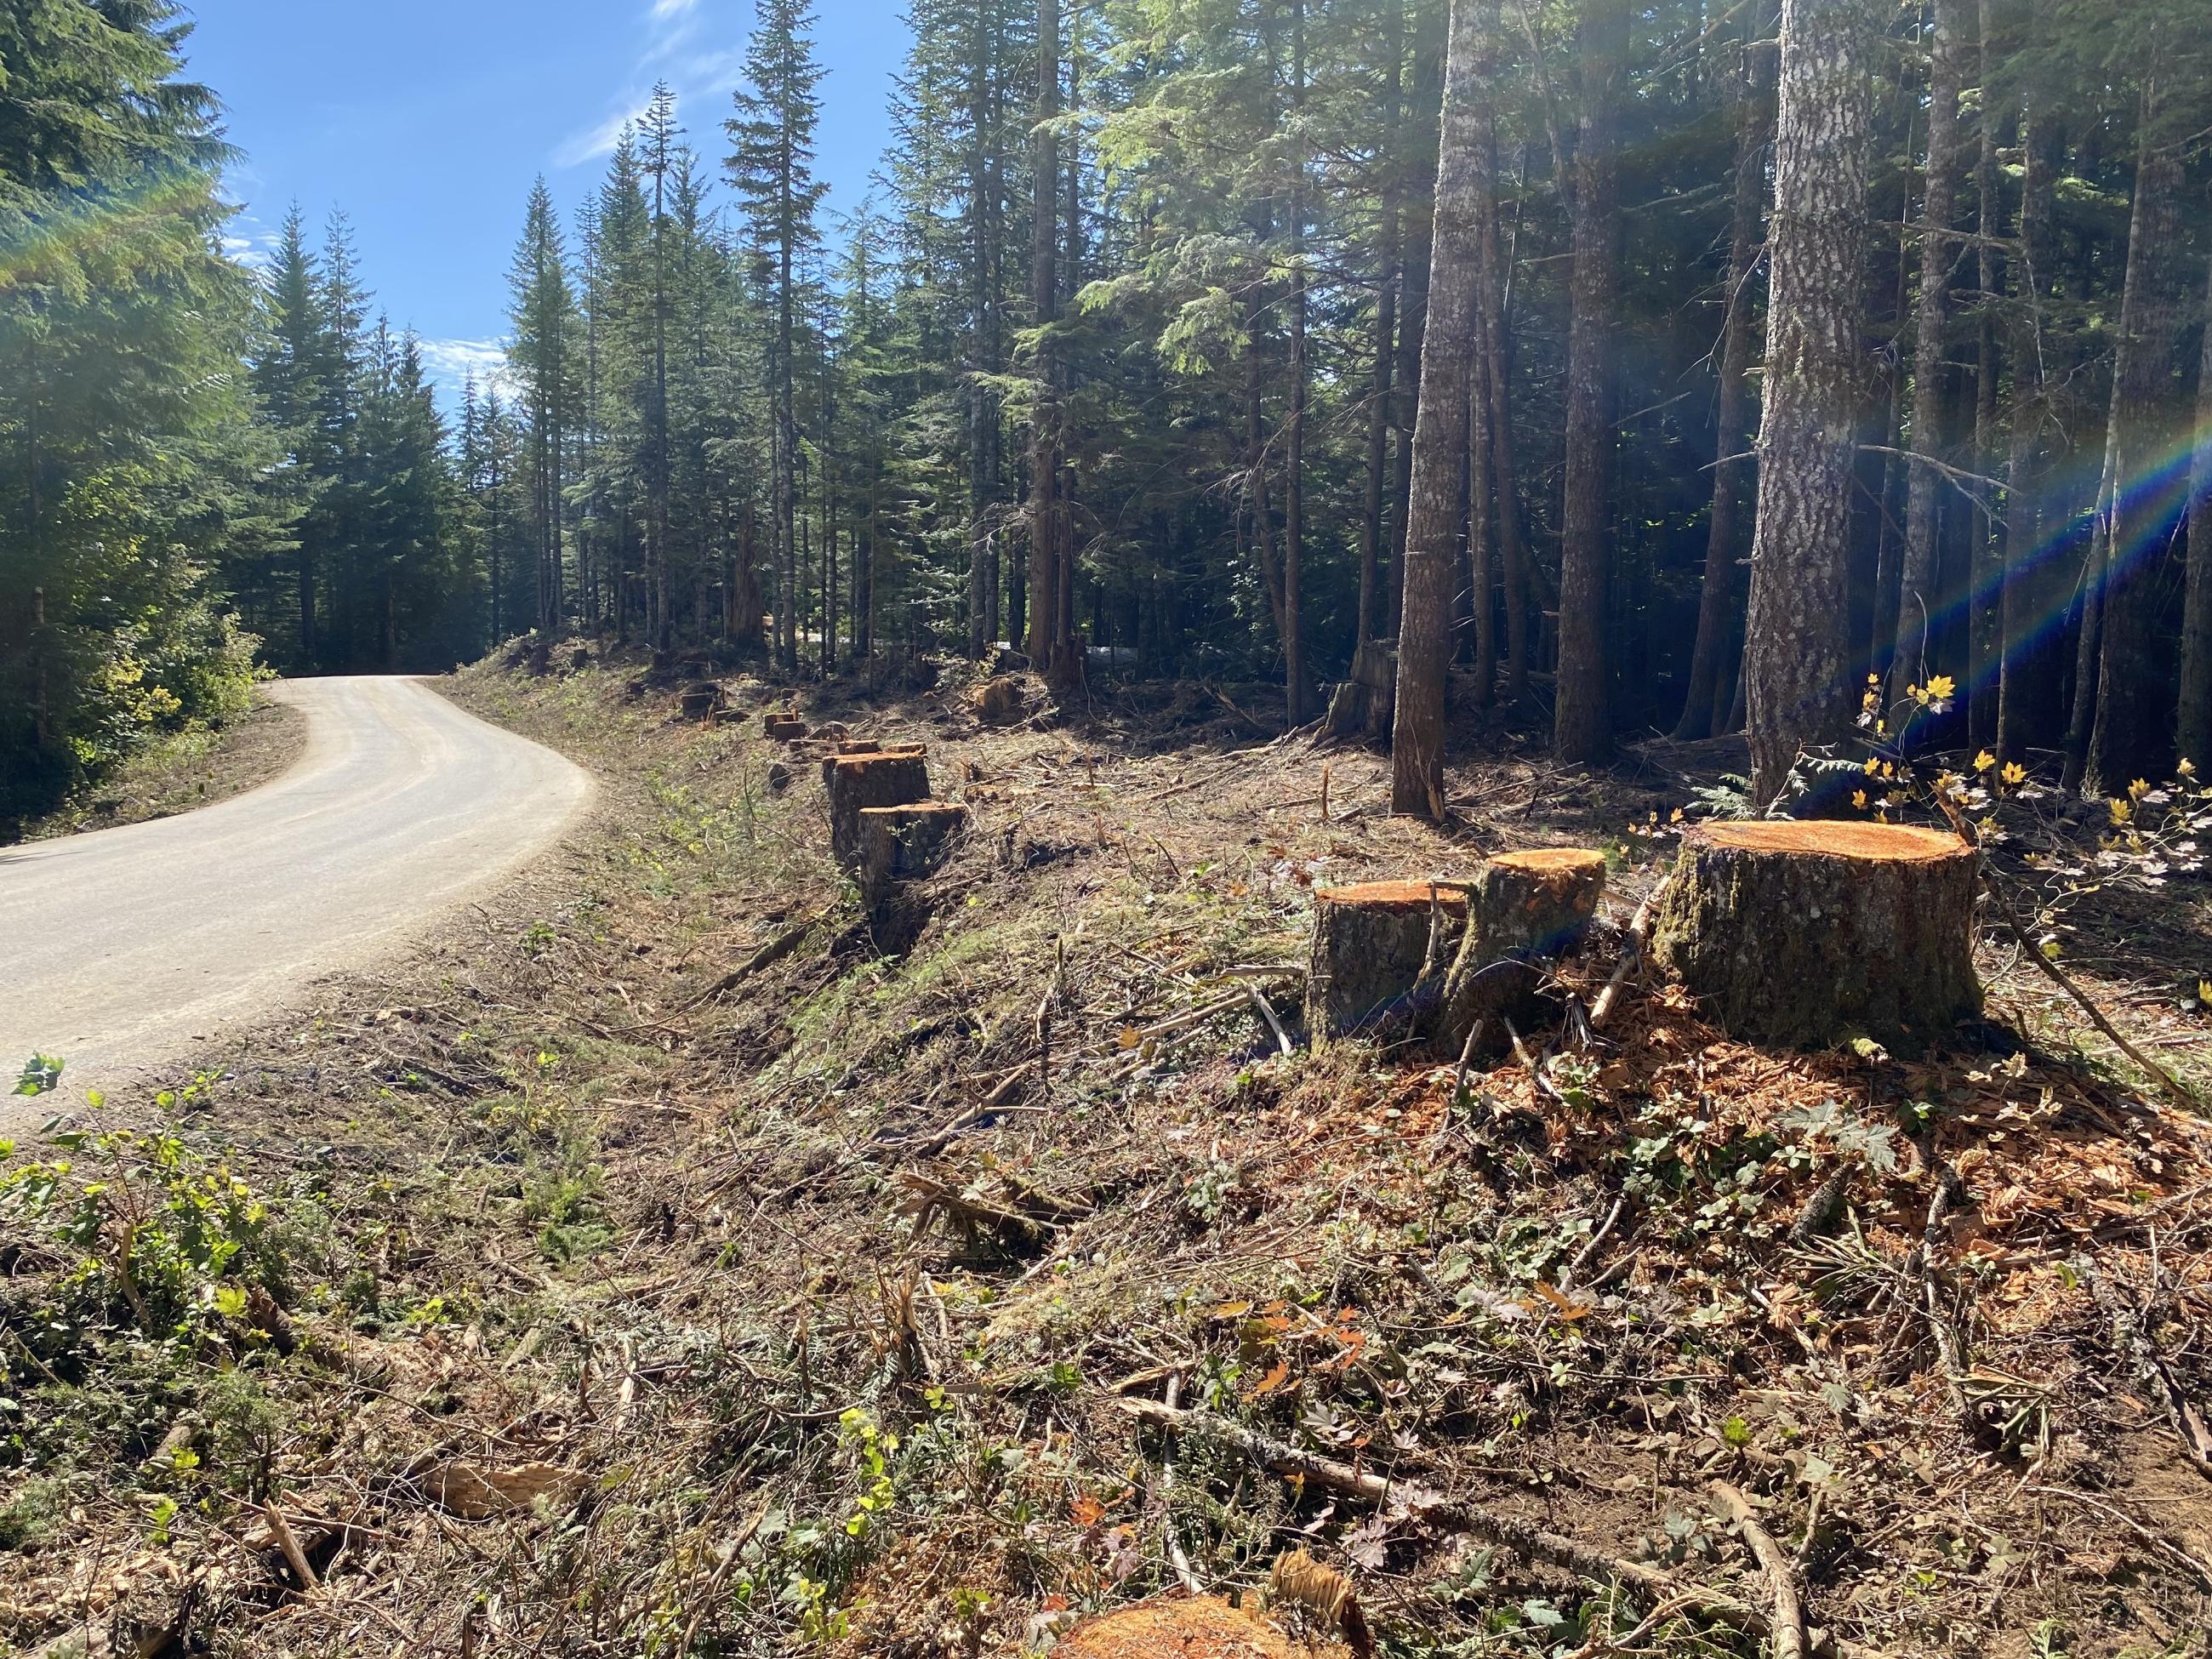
x=674, y=1258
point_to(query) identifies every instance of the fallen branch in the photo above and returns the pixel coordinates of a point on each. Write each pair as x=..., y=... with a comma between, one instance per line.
x=1639, y=931
x=2064, y=982
x=767, y=956
x=1788, y=1618
x=1447, y=1514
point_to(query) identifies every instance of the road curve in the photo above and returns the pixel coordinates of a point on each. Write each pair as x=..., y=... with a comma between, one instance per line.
x=128, y=949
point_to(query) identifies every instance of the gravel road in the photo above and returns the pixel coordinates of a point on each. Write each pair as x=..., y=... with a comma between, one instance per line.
x=128, y=949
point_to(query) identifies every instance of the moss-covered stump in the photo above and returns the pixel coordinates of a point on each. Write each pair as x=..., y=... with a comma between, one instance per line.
x=1370, y=942
x=1523, y=908
x=897, y=777
x=905, y=843
x=1800, y=933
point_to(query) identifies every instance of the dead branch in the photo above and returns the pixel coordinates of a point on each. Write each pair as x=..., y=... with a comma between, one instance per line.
x=1632, y=953
x=1788, y=1618
x=767, y=956
x=1433, y=1507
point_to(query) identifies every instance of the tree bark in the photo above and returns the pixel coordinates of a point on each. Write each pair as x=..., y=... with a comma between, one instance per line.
x=1582, y=723
x=2194, y=727
x=1044, y=293
x=1806, y=932
x=1920, y=609
x=2128, y=739
x=1386, y=335
x=1372, y=945
x=1294, y=478
x=1984, y=616
x=1523, y=908
x=1440, y=429
x=1798, y=681
x=2030, y=709
x=1703, y=704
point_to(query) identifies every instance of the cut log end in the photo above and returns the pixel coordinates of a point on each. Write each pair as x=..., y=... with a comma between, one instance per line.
x=1372, y=944
x=1800, y=934
x=1181, y=1627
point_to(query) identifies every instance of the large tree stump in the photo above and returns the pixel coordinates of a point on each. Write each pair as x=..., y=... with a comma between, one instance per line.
x=1802, y=933
x=1370, y=942
x=905, y=843
x=1523, y=908
x=892, y=778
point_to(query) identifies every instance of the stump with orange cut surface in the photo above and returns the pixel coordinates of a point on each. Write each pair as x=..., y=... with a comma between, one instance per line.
x=1371, y=943
x=1185, y=1627
x=1801, y=933
x=891, y=777
x=1523, y=908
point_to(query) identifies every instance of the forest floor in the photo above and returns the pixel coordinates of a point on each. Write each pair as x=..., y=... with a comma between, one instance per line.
x=197, y=767
x=672, y=1260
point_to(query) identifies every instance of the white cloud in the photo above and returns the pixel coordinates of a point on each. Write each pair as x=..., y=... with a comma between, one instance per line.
x=248, y=244
x=450, y=363
x=672, y=52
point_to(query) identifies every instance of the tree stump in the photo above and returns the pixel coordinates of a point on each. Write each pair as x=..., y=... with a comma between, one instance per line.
x=997, y=699
x=861, y=746
x=892, y=778
x=1370, y=942
x=790, y=731
x=1802, y=933
x=1523, y=908
x=1186, y=1627
x=701, y=700
x=1361, y=707
x=905, y=843
x=771, y=718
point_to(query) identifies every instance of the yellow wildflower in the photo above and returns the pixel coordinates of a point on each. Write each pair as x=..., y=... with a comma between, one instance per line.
x=1983, y=761
x=1859, y=799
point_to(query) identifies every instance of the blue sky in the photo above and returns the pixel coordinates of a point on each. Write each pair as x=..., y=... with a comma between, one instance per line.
x=426, y=120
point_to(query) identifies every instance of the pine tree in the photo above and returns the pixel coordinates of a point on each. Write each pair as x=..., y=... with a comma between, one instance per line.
x=771, y=164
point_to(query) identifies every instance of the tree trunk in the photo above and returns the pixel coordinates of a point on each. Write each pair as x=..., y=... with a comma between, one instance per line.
x=2030, y=708
x=1797, y=678
x=1582, y=723
x=1386, y=337
x=2194, y=727
x=1985, y=616
x=1413, y=295
x=1482, y=577
x=1044, y=292
x=1704, y=703
x=1920, y=609
x=2128, y=738
x=1440, y=428
x=1804, y=933
x=1294, y=478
